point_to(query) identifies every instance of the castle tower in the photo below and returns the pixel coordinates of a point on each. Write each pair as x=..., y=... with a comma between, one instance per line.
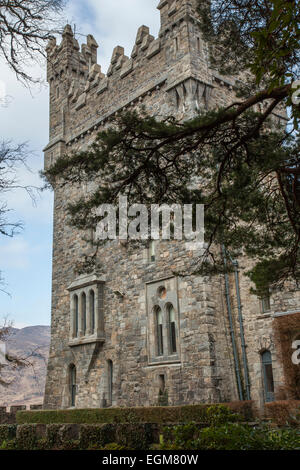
x=124, y=337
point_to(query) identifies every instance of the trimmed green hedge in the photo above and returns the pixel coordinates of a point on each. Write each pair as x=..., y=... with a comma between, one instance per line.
x=155, y=415
x=78, y=436
x=7, y=432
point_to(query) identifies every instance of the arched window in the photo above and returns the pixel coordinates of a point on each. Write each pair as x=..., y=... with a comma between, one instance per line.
x=76, y=315
x=72, y=378
x=110, y=382
x=268, y=376
x=159, y=328
x=172, y=329
x=92, y=310
x=83, y=313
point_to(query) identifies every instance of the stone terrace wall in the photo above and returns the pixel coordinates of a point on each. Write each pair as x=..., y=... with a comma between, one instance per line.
x=8, y=414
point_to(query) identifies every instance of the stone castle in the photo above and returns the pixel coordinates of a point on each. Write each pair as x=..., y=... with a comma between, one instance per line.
x=138, y=334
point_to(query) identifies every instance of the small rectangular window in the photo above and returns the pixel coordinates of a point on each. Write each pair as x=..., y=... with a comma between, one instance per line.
x=265, y=304
x=176, y=45
x=173, y=338
x=152, y=252
x=160, y=340
x=162, y=383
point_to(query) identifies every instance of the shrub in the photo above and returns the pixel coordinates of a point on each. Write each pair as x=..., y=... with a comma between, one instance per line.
x=163, y=398
x=217, y=415
x=7, y=432
x=284, y=412
x=26, y=437
x=92, y=435
x=9, y=445
x=159, y=415
x=135, y=436
x=232, y=436
x=58, y=435
x=114, y=446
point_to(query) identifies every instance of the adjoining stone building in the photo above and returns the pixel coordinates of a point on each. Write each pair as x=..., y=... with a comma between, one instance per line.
x=122, y=338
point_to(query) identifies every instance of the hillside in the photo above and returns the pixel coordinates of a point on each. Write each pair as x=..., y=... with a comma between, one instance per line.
x=27, y=384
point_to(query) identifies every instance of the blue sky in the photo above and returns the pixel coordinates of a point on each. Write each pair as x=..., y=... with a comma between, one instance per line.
x=25, y=261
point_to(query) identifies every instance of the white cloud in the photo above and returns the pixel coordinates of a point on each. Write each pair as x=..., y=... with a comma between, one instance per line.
x=15, y=253
x=113, y=23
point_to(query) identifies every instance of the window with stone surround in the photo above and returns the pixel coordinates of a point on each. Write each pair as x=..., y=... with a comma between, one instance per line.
x=92, y=309
x=110, y=374
x=165, y=329
x=268, y=380
x=86, y=310
x=163, y=322
x=265, y=303
x=159, y=332
x=72, y=382
x=152, y=251
x=172, y=329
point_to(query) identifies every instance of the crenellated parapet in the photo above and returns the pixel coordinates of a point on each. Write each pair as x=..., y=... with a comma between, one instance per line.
x=67, y=58
x=173, y=10
x=168, y=75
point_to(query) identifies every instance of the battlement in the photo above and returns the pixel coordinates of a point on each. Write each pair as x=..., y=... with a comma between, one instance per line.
x=168, y=75
x=69, y=57
x=8, y=414
x=172, y=10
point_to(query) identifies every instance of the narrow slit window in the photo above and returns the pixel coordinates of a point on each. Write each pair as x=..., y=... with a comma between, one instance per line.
x=160, y=341
x=198, y=45
x=83, y=313
x=152, y=252
x=110, y=382
x=162, y=383
x=72, y=385
x=92, y=311
x=268, y=376
x=172, y=330
x=76, y=315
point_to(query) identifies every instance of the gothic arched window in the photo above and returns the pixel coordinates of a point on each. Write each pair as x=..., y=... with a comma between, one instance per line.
x=268, y=379
x=92, y=311
x=172, y=329
x=159, y=329
x=75, y=316
x=83, y=313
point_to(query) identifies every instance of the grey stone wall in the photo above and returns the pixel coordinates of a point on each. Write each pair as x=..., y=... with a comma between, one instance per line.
x=169, y=75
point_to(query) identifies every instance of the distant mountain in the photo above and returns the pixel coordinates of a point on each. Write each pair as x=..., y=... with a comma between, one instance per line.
x=27, y=384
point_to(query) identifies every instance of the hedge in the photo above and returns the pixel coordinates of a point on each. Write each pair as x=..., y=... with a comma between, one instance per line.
x=155, y=415
x=74, y=436
x=7, y=432
x=286, y=412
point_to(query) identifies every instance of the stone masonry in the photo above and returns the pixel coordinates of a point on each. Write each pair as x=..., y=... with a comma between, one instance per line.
x=106, y=329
